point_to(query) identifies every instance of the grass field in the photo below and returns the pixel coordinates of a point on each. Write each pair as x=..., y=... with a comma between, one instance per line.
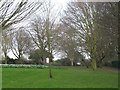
x=63, y=77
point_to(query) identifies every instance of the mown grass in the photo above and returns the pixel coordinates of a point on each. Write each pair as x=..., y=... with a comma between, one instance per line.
x=63, y=77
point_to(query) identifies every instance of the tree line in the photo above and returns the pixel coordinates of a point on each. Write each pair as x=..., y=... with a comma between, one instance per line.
x=84, y=30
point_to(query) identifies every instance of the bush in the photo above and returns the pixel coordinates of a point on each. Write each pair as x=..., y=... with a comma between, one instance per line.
x=108, y=63
x=116, y=64
x=10, y=60
x=56, y=64
x=64, y=62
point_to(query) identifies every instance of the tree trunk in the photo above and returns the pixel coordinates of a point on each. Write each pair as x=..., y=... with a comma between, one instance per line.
x=94, y=64
x=50, y=72
x=20, y=56
x=0, y=43
x=85, y=63
x=72, y=62
x=44, y=59
x=5, y=58
x=1, y=57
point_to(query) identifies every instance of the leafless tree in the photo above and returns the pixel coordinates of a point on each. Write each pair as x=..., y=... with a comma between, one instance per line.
x=5, y=43
x=38, y=33
x=67, y=41
x=96, y=23
x=80, y=17
x=12, y=12
x=20, y=43
x=42, y=28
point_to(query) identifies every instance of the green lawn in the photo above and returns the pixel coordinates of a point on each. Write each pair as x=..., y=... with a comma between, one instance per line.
x=63, y=77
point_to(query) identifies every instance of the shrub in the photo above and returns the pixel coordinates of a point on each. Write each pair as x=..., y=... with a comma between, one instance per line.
x=116, y=64
x=64, y=62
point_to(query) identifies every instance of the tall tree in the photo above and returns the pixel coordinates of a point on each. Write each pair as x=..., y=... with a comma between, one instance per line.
x=107, y=30
x=67, y=41
x=5, y=43
x=38, y=33
x=97, y=25
x=42, y=30
x=12, y=12
x=20, y=43
x=50, y=21
x=81, y=17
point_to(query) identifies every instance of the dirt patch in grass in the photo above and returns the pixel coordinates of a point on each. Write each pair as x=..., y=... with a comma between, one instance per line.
x=113, y=70
x=105, y=69
x=77, y=70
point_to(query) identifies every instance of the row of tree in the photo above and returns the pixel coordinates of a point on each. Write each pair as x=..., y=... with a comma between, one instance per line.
x=25, y=40
x=90, y=28
x=84, y=30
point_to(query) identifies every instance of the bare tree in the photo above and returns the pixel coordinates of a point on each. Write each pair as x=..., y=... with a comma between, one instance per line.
x=38, y=34
x=107, y=31
x=20, y=43
x=96, y=23
x=80, y=17
x=12, y=12
x=42, y=28
x=5, y=43
x=67, y=41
